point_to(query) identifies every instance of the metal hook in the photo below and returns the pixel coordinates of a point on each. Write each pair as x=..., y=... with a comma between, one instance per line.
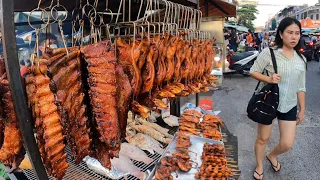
x=118, y=11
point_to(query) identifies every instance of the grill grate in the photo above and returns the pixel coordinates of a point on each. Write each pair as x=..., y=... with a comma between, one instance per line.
x=82, y=172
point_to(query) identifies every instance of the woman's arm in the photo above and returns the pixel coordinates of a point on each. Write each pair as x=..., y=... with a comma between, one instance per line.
x=302, y=101
x=260, y=77
x=302, y=104
x=301, y=93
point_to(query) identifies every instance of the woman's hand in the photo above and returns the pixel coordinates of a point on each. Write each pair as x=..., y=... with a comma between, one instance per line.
x=275, y=78
x=300, y=117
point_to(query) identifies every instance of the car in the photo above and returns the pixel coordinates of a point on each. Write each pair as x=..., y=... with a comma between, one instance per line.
x=306, y=47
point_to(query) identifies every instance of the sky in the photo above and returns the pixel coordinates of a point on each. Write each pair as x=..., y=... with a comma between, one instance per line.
x=266, y=10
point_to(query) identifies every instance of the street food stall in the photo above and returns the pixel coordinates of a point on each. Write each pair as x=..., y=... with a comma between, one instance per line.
x=215, y=12
x=105, y=105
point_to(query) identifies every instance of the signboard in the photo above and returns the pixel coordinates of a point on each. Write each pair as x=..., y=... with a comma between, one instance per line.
x=310, y=24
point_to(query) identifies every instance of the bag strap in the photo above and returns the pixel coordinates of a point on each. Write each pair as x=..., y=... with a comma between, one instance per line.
x=274, y=62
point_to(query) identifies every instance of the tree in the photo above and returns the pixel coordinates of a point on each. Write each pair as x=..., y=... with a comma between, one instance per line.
x=246, y=15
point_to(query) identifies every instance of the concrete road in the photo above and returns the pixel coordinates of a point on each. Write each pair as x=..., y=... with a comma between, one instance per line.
x=303, y=161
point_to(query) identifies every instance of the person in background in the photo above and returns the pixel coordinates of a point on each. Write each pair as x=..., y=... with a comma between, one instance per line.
x=47, y=40
x=23, y=68
x=257, y=41
x=28, y=63
x=313, y=38
x=249, y=40
x=272, y=38
x=226, y=35
x=261, y=36
x=265, y=41
x=233, y=40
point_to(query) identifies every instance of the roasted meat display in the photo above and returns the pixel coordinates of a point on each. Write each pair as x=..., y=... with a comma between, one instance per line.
x=165, y=67
x=214, y=165
x=11, y=151
x=180, y=159
x=209, y=127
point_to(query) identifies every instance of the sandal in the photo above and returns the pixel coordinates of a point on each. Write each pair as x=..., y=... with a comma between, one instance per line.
x=258, y=175
x=273, y=166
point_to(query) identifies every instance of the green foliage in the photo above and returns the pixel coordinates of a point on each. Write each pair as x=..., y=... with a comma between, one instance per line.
x=247, y=14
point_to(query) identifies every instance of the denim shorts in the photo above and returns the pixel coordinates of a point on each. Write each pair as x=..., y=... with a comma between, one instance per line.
x=289, y=116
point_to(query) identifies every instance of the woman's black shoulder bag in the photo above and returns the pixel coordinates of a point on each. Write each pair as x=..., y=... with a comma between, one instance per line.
x=263, y=105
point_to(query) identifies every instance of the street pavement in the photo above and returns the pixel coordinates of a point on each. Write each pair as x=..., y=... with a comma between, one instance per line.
x=303, y=161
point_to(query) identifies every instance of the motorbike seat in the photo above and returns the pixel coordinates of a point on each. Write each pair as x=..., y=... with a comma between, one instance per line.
x=240, y=56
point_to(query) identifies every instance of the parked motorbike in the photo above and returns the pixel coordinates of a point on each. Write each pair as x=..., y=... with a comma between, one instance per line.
x=242, y=62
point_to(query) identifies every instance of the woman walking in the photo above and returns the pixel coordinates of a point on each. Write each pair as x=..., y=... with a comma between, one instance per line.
x=291, y=81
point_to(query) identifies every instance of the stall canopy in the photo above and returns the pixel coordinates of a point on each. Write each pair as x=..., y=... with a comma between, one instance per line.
x=218, y=8
x=237, y=27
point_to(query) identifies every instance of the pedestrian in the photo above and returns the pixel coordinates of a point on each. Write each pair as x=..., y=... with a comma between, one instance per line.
x=272, y=38
x=261, y=36
x=265, y=41
x=47, y=40
x=233, y=40
x=226, y=35
x=23, y=68
x=257, y=42
x=290, y=78
x=249, y=40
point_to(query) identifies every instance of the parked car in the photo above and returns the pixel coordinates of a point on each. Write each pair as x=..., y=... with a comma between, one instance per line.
x=307, y=47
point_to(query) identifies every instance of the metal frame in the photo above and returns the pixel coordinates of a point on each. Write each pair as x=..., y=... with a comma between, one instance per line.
x=17, y=91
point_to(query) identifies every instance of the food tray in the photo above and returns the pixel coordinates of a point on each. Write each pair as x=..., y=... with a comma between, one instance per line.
x=197, y=147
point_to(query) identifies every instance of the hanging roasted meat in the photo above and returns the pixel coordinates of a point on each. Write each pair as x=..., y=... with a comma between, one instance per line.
x=169, y=61
x=136, y=81
x=124, y=99
x=11, y=151
x=186, y=64
x=148, y=72
x=65, y=72
x=47, y=121
x=124, y=55
x=101, y=61
x=159, y=64
x=179, y=57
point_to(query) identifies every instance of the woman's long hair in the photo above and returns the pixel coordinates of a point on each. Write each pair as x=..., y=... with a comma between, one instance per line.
x=282, y=26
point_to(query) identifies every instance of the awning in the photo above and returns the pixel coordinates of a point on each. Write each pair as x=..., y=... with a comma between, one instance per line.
x=218, y=8
x=237, y=27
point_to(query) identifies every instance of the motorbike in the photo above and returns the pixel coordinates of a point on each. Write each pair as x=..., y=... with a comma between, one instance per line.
x=242, y=62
